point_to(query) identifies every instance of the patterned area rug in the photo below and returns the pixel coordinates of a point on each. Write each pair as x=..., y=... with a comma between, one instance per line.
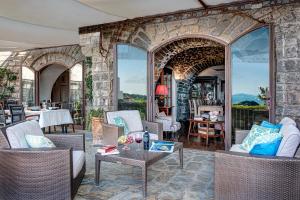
x=166, y=181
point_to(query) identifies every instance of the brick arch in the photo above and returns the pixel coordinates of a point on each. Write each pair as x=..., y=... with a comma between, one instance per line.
x=67, y=56
x=164, y=54
x=194, y=60
x=53, y=58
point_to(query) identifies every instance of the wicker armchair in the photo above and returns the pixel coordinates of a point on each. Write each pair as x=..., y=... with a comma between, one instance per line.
x=242, y=176
x=135, y=124
x=45, y=173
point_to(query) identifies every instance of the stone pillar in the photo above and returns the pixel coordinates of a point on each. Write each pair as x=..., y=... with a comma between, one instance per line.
x=102, y=70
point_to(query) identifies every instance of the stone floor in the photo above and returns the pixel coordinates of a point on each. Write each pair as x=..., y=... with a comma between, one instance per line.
x=166, y=181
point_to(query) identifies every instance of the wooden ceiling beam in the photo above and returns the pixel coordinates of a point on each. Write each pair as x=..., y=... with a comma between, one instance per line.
x=203, y=4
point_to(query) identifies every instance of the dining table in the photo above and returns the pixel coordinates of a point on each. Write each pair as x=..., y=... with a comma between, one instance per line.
x=48, y=118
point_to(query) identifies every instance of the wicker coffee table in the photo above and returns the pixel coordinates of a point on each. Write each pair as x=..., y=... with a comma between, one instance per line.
x=133, y=157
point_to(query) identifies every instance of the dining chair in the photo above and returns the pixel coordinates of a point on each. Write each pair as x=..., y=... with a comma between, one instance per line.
x=17, y=113
x=3, y=119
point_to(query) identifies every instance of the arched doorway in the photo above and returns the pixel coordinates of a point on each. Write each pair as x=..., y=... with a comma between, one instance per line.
x=193, y=70
x=63, y=86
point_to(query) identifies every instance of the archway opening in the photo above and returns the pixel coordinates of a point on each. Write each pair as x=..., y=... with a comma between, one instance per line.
x=62, y=86
x=51, y=77
x=193, y=72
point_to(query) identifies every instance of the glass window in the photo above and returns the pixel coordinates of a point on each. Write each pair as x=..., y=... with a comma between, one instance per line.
x=28, y=86
x=76, y=98
x=250, y=79
x=132, y=79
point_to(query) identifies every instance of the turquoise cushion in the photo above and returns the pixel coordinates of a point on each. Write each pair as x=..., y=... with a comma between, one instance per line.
x=35, y=141
x=267, y=124
x=267, y=149
x=119, y=121
x=255, y=132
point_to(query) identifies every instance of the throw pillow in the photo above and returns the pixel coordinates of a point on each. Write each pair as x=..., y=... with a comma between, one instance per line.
x=35, y=141
x=275, y=127
x=119, y=121
x=267, y=149
x=255, y=132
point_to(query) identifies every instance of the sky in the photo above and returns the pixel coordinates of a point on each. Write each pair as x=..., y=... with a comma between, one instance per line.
x=132, y=70
x=250, y=62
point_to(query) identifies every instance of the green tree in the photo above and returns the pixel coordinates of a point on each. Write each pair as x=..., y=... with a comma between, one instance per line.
x=263, y=94
x=7, y=78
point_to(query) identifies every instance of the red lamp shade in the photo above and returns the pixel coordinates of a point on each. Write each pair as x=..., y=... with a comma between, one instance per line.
x=161, y=90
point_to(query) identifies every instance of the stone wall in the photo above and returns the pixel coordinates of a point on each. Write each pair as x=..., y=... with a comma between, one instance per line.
x=37, y=59
x=222, y=25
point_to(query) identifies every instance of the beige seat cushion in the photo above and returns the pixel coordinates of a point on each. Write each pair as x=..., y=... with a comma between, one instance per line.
x=78, y=162
x=131, y=117
x=16, y=134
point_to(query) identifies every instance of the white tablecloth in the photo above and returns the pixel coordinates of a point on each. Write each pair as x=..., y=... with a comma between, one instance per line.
x=55, y=117
x=50, y=117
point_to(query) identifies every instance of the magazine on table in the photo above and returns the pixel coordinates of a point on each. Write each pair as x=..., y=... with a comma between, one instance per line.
x=162, y=146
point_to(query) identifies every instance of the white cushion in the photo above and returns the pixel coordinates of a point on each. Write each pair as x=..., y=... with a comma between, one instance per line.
x=153, y=136
x=16, y=134
x=78, y=162
x=290, y=140
x=237, y=148
x=36, y=141
x=132, y=118
x=287, y=120
x=168, y=124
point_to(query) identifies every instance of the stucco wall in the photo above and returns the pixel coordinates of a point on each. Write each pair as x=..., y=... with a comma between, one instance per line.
x=48, y=78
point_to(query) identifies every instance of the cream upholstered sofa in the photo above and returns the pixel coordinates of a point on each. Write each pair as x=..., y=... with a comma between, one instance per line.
x=40, y=173
x=134, y=122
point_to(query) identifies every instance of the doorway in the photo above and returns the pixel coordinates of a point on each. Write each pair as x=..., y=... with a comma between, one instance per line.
x=194, y=80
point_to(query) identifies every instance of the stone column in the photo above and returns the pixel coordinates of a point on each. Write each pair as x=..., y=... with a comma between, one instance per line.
x=102, y=70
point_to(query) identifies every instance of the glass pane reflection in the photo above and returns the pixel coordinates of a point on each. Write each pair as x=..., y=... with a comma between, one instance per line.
x=132, y=78
x=250, y=79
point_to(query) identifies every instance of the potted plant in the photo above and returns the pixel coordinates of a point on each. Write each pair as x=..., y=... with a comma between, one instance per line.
x=7, y=79
x=95, y=120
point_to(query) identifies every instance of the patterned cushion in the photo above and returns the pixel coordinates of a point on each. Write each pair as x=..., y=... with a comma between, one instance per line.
x=35, y=141
x=259, y=134
x=119, y=121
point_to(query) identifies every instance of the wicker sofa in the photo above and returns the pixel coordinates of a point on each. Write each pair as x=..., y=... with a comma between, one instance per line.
x=134, y=122
x=45, y=173
x=244, y=176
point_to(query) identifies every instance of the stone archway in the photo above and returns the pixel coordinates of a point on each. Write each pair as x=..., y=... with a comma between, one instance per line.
x=39, y=59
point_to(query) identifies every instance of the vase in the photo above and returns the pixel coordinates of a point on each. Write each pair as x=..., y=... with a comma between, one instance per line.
x=97, y=130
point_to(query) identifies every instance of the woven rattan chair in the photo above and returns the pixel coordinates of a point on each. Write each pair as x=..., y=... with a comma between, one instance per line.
x=135, y=124
x=242, y=176
x=38, y=174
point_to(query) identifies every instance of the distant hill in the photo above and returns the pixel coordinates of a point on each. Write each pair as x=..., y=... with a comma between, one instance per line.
x=135, y=96
x=240, y=98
